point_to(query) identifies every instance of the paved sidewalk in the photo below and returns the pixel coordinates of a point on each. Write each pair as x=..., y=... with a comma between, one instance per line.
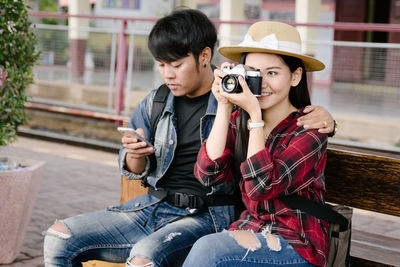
x=78, y=180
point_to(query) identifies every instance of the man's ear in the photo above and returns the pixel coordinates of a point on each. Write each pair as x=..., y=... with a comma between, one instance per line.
x=296, y=76
x=205, y=56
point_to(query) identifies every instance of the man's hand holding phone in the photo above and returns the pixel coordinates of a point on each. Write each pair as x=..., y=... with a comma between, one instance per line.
x=135, y=143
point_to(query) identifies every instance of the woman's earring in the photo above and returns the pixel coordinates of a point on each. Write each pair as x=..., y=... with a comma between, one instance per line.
x=205, y=65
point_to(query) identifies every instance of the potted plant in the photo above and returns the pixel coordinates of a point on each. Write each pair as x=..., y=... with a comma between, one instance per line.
x=19, y=178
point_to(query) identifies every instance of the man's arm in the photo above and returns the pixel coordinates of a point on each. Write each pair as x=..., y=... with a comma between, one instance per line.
x=318, y=118
x=132, y=156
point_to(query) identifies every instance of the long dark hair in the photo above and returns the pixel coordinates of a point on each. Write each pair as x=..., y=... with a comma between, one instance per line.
x=298, y=97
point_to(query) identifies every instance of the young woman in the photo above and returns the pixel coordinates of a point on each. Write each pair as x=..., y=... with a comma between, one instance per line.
x=262, y=147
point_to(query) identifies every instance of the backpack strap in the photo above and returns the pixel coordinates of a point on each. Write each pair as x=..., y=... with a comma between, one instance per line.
x=315, y=209
x=159, y=102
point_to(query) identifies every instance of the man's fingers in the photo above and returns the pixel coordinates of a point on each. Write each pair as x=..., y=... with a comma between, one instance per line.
x=308, y=126
x=324, y=130
x=133, y=143
x=324, y=127
x=307, y=119
x=309, y=108
x=329, y=127
x=141, y=152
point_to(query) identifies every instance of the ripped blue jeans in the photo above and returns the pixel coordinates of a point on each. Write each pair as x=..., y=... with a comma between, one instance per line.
x=160, y=232
x=255, y=249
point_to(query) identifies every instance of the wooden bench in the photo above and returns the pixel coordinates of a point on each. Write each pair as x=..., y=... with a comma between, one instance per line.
x=360, y=178
x=367, y=180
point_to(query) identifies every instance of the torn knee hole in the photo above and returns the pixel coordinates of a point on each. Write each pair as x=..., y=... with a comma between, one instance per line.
x=273, y=242
x=140, y=262
x=246, y=239
x=59, y=229
x=171, y=236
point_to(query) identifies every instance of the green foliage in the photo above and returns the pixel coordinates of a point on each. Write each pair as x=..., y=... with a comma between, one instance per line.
x=48, y=6
x=17, y=57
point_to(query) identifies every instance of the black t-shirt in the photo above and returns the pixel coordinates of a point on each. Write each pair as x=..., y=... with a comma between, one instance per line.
x=179, y=177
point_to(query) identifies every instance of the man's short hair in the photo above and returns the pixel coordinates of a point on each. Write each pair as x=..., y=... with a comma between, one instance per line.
x=182, y=32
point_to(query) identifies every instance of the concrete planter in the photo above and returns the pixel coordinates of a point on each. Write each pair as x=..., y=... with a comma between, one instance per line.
x=18, y=191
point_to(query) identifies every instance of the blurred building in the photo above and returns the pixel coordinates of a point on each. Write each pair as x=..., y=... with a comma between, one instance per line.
x=370, y=65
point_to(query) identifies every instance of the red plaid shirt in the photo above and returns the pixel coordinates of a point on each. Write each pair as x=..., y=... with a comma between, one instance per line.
x=293, y=161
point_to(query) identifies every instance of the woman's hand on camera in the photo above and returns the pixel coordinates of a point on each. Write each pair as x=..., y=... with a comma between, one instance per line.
x=245, y=100
x=217, y=89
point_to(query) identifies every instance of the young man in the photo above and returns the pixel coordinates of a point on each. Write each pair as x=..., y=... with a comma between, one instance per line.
x=158, y=229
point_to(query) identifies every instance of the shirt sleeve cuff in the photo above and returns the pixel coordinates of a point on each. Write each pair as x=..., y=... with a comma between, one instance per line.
x=217, y=165
x=130, y=175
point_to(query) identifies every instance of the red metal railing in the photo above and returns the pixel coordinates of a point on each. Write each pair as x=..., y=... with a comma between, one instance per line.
x=343, y=26
x=122, y=50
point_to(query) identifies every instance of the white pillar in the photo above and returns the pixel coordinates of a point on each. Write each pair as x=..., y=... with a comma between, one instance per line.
x=307, y=11
x=230, y=10
x=77, y=36
x=81, y=7
x=187, y=3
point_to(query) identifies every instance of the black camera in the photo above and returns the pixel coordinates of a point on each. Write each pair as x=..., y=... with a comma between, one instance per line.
x=253, y=77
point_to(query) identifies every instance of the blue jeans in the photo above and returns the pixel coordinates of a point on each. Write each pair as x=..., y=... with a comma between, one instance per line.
x=160, y=232
x=222, y=249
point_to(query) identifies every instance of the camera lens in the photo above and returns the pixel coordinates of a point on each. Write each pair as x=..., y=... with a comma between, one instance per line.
x=230, y=84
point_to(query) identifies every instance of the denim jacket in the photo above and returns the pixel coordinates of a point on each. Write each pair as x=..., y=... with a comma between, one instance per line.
x=165, y=141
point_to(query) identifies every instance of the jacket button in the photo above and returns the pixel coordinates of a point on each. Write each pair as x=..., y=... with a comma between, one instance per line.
x=171, y=142
x=137, y=205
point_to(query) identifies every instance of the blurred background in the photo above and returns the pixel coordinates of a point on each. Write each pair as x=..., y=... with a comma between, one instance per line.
x=95, y=66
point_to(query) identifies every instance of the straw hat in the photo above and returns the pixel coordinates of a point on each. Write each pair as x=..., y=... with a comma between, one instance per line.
x=272, y=37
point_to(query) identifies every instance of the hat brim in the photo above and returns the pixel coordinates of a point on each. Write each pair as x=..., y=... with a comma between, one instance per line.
x=234, y=53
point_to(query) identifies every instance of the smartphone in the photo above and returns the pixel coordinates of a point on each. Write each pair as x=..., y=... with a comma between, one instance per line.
x=133, y=133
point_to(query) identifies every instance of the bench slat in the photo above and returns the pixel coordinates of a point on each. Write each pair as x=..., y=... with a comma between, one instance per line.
x=363, y=181
x=375, y=247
